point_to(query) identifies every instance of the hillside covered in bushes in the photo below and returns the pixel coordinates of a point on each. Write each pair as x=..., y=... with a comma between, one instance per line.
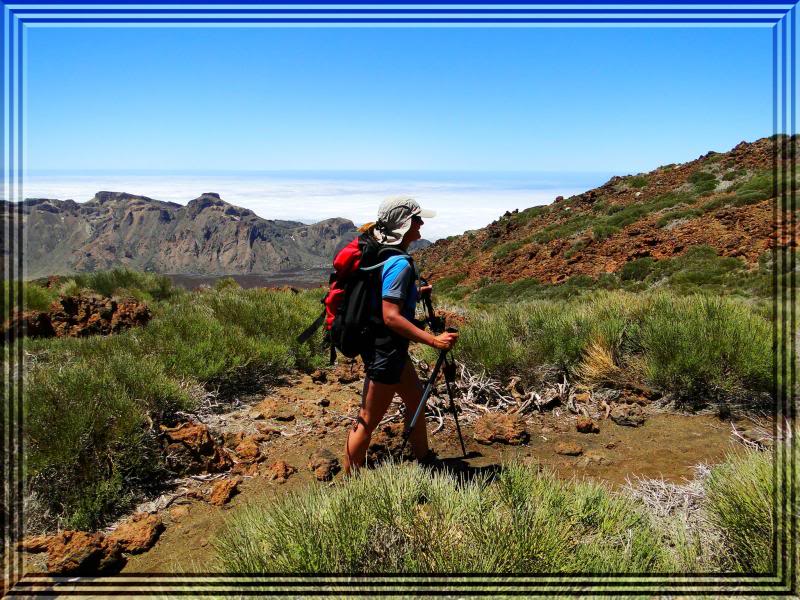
x=633, y=229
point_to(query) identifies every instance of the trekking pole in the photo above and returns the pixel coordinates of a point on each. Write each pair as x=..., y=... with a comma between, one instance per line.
x=437, y=326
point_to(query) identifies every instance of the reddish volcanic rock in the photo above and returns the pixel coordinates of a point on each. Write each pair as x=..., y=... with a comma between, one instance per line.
x=568, y=448
x=586, y=425
x=190, y=449
x=138, y=534
x=79, y=552
x=223, y=490
x=34, y=544
x=502, y=428
x=280, y=471
x=324, y=464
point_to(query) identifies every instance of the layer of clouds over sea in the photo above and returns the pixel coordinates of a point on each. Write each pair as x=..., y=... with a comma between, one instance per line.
x=462, y=201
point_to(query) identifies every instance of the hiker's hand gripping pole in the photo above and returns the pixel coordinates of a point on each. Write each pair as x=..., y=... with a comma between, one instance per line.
x=437, y=325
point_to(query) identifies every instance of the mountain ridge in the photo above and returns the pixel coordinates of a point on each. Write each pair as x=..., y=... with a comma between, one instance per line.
x=208, y=236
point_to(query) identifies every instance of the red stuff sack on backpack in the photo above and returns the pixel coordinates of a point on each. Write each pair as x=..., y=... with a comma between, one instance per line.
x=344, y=265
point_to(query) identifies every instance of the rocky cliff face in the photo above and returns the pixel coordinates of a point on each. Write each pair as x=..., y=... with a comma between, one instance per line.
x=207, y=236
x=722, y=200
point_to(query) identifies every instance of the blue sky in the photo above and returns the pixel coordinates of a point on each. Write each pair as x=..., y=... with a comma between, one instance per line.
x=511, y=99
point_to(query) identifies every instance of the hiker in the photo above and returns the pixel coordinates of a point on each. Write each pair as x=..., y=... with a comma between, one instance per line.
x=389, y=370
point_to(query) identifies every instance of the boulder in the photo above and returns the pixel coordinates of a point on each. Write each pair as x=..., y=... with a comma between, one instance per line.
x=79, y=552
x=223, y=490
x=191, y=449
x=324, y=464
x=179, y=512
x=629, y=415
x=586, y=425
x=248, y=450
x=138, y=534
x=194, y=436
x=501, y=428
x=279, y=411
x=349, y=372
x=34, y=544
x=568, y=449
x=280, y=471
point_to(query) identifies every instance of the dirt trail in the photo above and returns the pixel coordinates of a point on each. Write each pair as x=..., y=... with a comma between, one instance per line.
x=666, y=446
x=305, y=415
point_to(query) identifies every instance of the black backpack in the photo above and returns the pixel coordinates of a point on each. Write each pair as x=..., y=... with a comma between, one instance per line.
x=353, y=303
x=359, y=318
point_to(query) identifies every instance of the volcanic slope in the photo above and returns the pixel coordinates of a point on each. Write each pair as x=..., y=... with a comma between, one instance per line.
x=721, y=200
x=207, y=236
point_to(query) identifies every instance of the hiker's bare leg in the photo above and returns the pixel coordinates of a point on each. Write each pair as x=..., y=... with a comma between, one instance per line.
x=376, y=399
x=410, y=391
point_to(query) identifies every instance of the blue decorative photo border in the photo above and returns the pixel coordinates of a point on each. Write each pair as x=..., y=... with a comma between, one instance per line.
x=17, y=17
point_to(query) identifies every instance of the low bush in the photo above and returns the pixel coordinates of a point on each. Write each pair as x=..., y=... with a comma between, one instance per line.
x=88, y=401
x=674, y=215
x=694, y=347
x=637, y=270
x=740, y=501
x=637, y=181
x=703, y=181
x=602, y=231
x=576, y=247
x=402, y=518
x=446, y=285
x=34, y=296
x=507, y=248
x=529, y=214
x=151, y=286
x=565, y=229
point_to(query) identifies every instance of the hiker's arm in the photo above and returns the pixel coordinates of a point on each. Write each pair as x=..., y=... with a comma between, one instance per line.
x=395, y=321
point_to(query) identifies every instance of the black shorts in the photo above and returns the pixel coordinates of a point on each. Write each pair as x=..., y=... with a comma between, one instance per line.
x=385, y=360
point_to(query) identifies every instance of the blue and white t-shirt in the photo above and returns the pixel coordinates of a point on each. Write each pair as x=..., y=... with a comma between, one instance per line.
x=399, y=278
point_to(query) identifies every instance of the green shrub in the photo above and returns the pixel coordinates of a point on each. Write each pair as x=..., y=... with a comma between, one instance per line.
x=757, y=188
x=564, y=229
x=704, y=182
x=674, y=215
x=637, y=181
x=734, y=174
x=740, y=499
x=576, y=247
x=637, y=270
x=629, y=214
x=602, y=231
x=226, y=283
x=524, y=216
x=88, y=401
x=402, y=518
x=446, y=285
x=696, y=347
x=507, y=248
x=34, y=296
x=86, y=424
x=150, y=285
